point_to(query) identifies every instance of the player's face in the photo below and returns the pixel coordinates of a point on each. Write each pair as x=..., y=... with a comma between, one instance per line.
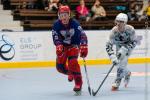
x=64, y=17
x=120, y=24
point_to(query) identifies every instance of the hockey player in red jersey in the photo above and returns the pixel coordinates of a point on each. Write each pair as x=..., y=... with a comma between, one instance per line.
x=70, y=41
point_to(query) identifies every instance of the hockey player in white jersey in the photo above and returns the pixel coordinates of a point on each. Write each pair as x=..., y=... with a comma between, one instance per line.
x=124, y=39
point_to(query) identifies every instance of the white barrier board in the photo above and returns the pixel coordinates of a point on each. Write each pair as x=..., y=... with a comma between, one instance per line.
x=38, y=46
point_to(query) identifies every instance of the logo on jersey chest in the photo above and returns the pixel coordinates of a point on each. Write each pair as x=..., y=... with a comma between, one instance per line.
x=67, y=34
x=122, y=37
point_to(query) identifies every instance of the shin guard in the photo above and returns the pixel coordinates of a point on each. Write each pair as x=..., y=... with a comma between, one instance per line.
x=78, y=82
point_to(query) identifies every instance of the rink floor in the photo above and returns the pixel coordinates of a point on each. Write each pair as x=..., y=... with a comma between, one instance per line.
x=48, y=84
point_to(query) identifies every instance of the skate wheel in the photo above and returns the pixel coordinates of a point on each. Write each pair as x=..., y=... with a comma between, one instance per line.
x=77, y=93
x=114, y=88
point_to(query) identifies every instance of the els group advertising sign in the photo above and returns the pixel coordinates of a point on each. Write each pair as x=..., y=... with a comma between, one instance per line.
x=23, y=46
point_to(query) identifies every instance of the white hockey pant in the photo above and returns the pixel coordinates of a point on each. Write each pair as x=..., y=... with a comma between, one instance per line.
x=122, y=69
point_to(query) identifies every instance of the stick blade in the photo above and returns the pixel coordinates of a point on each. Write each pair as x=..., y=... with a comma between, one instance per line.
x=89, y=89
x=93, y=93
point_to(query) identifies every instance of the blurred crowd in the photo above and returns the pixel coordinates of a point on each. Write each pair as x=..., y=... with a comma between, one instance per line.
x=135, y=10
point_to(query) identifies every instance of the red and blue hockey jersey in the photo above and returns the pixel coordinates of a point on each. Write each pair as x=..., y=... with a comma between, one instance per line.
x=72, y=34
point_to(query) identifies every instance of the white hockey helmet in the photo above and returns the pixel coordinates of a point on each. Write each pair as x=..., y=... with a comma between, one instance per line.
x=122, y=17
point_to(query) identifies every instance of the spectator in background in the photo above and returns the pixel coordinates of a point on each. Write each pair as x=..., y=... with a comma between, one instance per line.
x=24, y=5
x=147, y=10
x=52, y=5
x=31, y=4
x=82, y=12
x=64, y=2
x=134, y=9
x=6, y=4
x=40, y=4
x=121, y=8
x=98, y=11
x=141, y=13
x=119, y=0
x=28, y=5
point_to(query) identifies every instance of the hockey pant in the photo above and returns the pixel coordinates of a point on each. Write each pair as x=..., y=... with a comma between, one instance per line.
x=68, y=63
x=122, y=69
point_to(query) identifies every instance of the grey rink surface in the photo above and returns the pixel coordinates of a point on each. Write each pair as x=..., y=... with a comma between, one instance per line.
x=48, y=84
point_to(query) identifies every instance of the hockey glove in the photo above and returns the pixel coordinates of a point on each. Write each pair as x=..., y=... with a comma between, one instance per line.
x=114, y=59
x=59, y=50
x=83, y=50
x=122, y=52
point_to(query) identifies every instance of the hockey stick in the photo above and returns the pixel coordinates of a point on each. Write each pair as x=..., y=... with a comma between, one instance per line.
x=94, y=93
x=87, y=78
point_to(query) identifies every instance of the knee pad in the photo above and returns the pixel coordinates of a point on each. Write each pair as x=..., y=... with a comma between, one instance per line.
x=61, y=64
x=61, y=60
x=61, y=68
x=73, y=65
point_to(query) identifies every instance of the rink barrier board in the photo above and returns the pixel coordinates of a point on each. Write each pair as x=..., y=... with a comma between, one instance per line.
x=46, y=64
x=36, y=49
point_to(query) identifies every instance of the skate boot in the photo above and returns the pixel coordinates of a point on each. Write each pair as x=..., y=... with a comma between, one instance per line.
x=116, y=84
x=70, y=78
x=78, y=85
x=127, y=79
x=77, y=90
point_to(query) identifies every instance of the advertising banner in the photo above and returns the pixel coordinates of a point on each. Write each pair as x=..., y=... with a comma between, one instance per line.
x=38, y=46
x=24, y=46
